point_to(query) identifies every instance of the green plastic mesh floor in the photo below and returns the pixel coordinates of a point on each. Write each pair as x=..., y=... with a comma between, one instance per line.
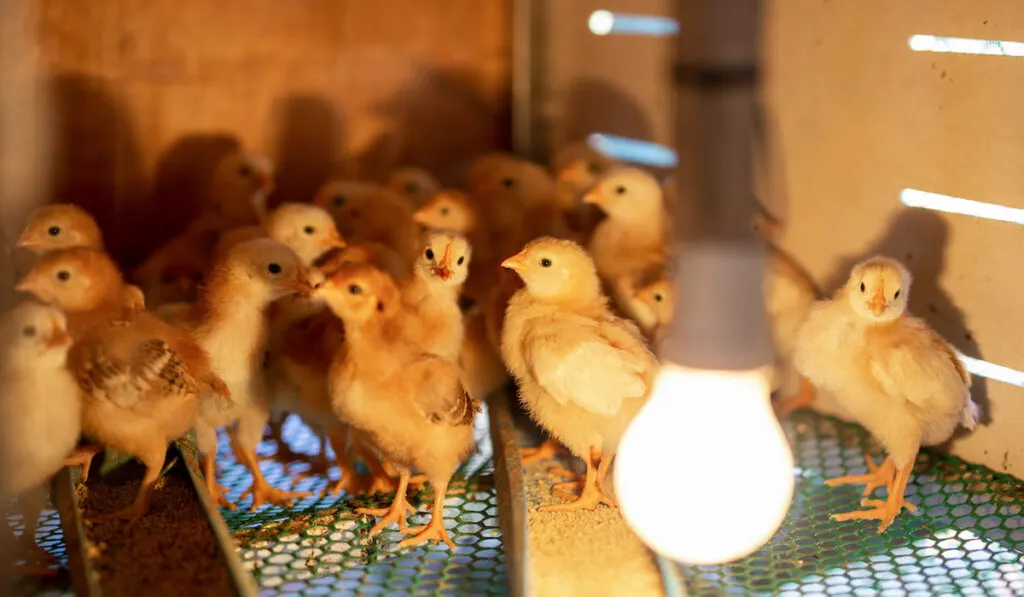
x=967, y=537
x=320, y=546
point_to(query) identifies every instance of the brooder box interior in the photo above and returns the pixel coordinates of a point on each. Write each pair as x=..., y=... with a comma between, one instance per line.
x=141, y=98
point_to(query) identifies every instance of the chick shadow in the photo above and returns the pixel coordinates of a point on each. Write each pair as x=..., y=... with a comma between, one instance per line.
x=439, y=120
x=918, y=238
x=180, y=186
x=95, y=160
x=309, y=137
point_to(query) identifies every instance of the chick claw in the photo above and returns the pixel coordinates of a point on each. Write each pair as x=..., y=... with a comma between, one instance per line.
x=264, y=493
x=884, y=511
x=350, y=482
x=433, y=531
x=396, y=512
x=877, y=476
x=547, y=450
x=589, y=499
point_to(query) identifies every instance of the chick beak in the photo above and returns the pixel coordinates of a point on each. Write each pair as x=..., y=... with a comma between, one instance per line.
x=421, y=216
x=515, y=262
x=26, y=284
x=25, y=241
x=593, y=197
x=577, y=174
x=444, y=267
x=335, y=241
x=303, y=287
x=58, y=339
x=877, y=303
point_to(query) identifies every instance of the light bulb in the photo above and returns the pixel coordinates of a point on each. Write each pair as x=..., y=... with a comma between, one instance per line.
x=704, y=474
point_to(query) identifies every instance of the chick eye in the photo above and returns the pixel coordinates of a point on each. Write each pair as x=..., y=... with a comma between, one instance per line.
x=897, y=295
x=274, y=268
x=658, y=298
x=593, y=168
x=28, y=331
x=63, y=275
x=620, y=190
x=339, y=200
x=508, y=183
x=53, y=231
x=461, y=259
x=444, y=211
x=354, y=289
x=862, y=287
x=244, y=171
x=309, y=230
x=411, y=188
x=429, y=254
x=545, y=262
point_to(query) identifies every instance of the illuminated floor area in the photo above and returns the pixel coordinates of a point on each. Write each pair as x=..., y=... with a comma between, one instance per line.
x=320, y=547
x=966, y=538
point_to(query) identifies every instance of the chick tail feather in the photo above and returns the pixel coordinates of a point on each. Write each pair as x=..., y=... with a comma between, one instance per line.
x=970, y=414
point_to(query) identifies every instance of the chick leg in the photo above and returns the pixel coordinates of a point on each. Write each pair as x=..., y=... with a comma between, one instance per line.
x=82, y=456
x=284, y=453
x=434, y=530
x=318, y=465
x=416, y=482
x=396, y=512
x=802, y=399
x=886, y=510
x=350, y=480
x=590, y=497
x=263, y=492
x=877, y=476
x=546, y=450
x=154, y=461
x=380, y=480
x=206, y=440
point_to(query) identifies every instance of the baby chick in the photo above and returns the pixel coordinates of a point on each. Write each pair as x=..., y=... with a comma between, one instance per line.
x=633, y=237
x=60, y=226
x=229, y=323
x=430, y=298
x=411, y=405
x=140, y=378
x=542, y=210
x=656, y=298
x=39, y=411
x=64, y=226
x=306, y=229
x=241, y=184
x=789, y=294
x=583, y=373
x=415, y=184
x=890, y=371
x=380, y=256
x=364, y=212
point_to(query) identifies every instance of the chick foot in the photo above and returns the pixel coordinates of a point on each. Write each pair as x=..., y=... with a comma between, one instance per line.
x=547, y=450
x=877, y=476
x=82, y=456
x=591, y=496
x=265, y=493
x=216, y=491
x=884, y=511
x=395, y=513
x=416, y=482
x=434, y=530
x=802, y=399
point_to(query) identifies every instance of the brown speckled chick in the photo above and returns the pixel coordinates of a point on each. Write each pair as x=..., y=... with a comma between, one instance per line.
x=583, y=372
x=890, y=371
x=229, y=322
x=411, y=405
x=140, y=378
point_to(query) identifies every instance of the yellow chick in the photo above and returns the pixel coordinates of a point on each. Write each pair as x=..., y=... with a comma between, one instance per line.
x=380, y=256
x=139, y=377
x=430, y=298
x=583, y=373
x=789, y=294
x=65, y=226
x=371, y=213
x=633, y=237
x=40, y=411
x=230, y=324
x=543, y=211
x=890, y=372
x=411, y=405
x=306, y=229
x=480, y=168
x=657, y=307
x=415, y=184
x=60, y=226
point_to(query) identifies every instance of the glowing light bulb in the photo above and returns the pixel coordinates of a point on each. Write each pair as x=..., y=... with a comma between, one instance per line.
x=704, y=474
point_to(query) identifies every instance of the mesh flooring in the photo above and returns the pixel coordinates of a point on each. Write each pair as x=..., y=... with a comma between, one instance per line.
x=967, y=537
x=320, y=547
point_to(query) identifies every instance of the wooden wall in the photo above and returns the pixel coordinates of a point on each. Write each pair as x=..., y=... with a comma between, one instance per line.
x=147, y=94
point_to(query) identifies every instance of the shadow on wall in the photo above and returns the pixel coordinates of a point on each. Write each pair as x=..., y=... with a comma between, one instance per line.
x=96, y=161
x=593, y=106
x=180, y=185
x=918, y=238
x=440, y=120
x=308, y=143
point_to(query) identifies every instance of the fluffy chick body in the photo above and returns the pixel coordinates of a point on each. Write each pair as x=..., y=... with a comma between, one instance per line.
x=365, y=212
x=888, y=370
x=410, y=404
x=583, y=372
x=431, y=296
